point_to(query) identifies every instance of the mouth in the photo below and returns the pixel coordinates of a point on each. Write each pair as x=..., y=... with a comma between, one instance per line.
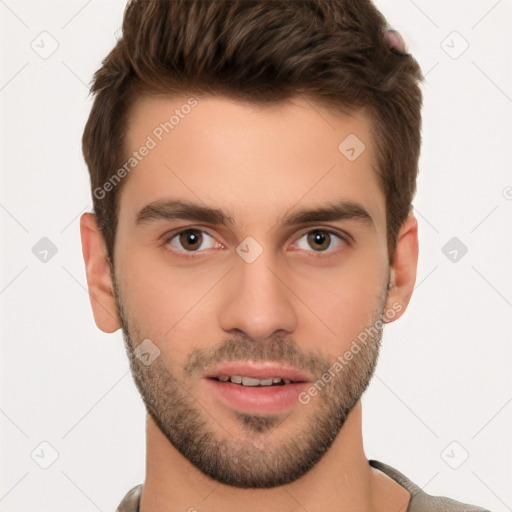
x=252, y=382
x=256, y=388
x=252, y=374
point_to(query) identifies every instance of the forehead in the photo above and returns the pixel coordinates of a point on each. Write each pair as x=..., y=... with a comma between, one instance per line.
x=253, y=160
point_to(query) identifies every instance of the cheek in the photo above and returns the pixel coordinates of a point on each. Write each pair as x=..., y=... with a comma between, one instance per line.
x=167, y=305
x=342, y=302
x=177, y=306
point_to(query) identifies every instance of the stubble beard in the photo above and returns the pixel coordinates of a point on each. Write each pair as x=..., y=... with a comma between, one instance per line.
x=253, y=458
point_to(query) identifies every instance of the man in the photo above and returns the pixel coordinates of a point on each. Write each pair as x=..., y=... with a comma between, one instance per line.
x=252, y=169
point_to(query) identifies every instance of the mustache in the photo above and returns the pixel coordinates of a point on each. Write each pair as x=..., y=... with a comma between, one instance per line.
x=275, y=349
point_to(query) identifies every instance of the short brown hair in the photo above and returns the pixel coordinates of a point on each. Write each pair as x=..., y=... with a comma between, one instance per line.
x=259, y=51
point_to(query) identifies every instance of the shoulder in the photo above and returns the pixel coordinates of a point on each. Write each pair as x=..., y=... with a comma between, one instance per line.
x=420, y=500
x=130, y=502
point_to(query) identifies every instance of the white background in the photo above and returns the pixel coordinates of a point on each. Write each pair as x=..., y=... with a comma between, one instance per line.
x=445, y=371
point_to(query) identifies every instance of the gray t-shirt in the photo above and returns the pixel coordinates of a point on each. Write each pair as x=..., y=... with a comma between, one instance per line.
x=420, y=501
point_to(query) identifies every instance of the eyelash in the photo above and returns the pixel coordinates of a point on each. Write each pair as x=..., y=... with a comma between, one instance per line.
x=197, y=254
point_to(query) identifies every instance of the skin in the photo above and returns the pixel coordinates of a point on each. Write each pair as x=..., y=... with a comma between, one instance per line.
x=257, y=164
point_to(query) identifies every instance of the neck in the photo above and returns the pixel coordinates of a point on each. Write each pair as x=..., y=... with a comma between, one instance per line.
x=342, y=480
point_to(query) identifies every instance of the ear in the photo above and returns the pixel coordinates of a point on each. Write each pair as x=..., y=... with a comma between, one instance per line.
x=99, y=281
x=403, y=270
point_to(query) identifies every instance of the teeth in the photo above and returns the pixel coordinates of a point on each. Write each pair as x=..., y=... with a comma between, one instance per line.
x=250, y=381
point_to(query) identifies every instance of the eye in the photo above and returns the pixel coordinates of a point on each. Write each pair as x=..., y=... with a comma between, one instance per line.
x=191, y=240
x=320, y=240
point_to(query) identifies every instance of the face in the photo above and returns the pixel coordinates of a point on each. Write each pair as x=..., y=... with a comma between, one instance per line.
x=250, y=248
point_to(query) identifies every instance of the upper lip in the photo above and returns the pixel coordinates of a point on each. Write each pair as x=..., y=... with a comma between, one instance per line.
x=258, y=371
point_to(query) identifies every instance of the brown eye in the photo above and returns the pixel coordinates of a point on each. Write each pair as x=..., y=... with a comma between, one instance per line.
x=319, y=240
x=191, y=239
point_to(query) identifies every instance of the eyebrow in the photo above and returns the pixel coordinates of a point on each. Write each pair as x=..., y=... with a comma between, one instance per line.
x=185, y=210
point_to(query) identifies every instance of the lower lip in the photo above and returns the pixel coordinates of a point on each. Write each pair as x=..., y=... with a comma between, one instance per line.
x=258, y=399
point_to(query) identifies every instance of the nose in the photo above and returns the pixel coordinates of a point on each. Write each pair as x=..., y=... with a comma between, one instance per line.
x=257, y=300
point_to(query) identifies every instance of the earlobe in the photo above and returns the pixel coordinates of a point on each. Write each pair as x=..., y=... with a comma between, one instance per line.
x=99, y=280
x=403, y=270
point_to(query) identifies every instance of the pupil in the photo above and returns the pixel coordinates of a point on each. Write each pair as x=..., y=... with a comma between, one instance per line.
x=317, y=237
x=191, y=238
